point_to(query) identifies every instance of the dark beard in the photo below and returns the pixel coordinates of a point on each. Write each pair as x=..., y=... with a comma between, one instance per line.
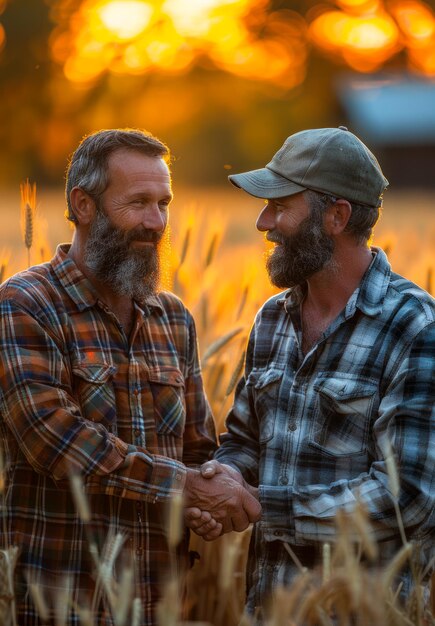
x=112, y=260
x=300, y=255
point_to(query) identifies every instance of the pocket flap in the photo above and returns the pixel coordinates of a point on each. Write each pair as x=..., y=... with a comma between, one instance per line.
x=166, y=376
x=260, y=379
x=97, y=373
x=340, y=388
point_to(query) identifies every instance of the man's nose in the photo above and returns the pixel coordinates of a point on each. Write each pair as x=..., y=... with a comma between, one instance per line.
x=266, y=220
x=153, y=218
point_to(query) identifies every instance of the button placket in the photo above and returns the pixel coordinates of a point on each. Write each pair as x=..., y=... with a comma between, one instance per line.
x=135, y=401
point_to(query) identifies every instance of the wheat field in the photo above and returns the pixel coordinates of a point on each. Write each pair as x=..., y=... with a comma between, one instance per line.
x=215, y=264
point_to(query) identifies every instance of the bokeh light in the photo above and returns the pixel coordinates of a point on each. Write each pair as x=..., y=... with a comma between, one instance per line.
x=139, y=37
x=417, y=23
x=125, y=19
x=243, y=37
x=364, y=42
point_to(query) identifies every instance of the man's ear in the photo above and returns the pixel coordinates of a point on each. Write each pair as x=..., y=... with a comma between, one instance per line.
x=83, y=206
x=337, y=216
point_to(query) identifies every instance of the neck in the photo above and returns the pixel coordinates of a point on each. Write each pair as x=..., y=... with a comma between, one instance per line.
x=329, y=290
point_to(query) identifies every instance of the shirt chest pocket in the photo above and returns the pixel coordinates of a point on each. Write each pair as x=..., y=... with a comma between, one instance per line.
x=169, y=405
x=344, y=414
x=264, y=387
x=93, y=387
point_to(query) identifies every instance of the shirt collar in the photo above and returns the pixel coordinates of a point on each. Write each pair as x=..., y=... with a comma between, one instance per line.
x=292, y=298
x=370, y=294
x=368, y=297
x=79, y=288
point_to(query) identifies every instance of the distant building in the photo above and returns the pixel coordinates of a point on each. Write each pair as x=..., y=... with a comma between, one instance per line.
x=396, y=117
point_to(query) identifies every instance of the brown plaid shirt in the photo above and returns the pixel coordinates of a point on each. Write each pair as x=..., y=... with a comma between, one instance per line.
x=77, y=395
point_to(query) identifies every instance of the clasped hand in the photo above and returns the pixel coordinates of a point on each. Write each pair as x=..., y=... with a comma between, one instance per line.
x=218, y=500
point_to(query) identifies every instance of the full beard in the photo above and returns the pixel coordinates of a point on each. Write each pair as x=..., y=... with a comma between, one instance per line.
x=301, y=255
x=126, y=270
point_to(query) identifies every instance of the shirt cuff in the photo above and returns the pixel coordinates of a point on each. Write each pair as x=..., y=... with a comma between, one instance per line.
x=277, y=519
x=168, y=478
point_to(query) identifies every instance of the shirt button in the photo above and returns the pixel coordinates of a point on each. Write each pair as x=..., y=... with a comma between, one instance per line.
x=178, y=476
x=293, y=426
x=137, y=432
x=277, y=533
x=283, y=480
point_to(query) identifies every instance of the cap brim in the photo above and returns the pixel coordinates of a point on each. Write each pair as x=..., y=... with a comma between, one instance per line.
x=264, y=183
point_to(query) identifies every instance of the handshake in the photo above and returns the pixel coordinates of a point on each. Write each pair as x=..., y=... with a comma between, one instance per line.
x=218, y=500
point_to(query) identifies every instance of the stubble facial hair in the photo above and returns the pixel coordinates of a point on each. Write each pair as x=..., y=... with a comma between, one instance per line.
x=300, y=255
x=128, y=271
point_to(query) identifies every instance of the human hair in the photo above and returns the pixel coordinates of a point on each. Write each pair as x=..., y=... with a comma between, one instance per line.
x=361, y=221
x=88, y=165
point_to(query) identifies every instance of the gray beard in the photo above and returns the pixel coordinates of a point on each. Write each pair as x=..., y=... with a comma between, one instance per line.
x=300, y=255
x=127, y=271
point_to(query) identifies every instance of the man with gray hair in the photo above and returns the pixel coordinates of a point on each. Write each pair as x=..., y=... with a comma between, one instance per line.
x=339, y=370
x=100, y=380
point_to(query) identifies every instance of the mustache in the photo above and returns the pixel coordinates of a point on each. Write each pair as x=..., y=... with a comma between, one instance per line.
x=275, y=237
x=144, y=234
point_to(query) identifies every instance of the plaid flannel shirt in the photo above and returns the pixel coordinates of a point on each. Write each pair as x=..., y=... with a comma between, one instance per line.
x=311, y=429
x=78, y=396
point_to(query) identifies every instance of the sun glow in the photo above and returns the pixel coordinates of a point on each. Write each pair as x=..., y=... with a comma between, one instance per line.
x=243, y=37
x=415, y=19
x=364, y=42
x=125, y=19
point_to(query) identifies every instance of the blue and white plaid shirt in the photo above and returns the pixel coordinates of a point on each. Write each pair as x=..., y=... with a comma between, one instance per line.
x=311, y=430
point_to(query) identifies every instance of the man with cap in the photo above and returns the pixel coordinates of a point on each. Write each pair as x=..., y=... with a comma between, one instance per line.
x=339, y=369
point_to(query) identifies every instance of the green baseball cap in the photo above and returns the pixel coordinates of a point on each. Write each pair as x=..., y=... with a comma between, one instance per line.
x=329, y=160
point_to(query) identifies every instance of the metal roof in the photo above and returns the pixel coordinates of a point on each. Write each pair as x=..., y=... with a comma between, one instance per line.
x=390, y=111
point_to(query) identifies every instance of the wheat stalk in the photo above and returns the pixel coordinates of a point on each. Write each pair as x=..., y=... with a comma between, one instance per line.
x=79, y=497
x=429, y=278
x=5, y=256
x=28, y=209
x=217, y=345
x=37, y=596
x=136, y=612
x=8, y=560
x=243, y=301
x=175, y=526
x=62, y=602
x=295, y=559
x=211, y=251
x=235, y=376
x=168, y=608
x=185, y=245
x=326, y=562
x=394, y=484
x=124, y=596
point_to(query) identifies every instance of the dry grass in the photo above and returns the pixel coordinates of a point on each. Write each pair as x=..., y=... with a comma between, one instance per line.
x=220, y=277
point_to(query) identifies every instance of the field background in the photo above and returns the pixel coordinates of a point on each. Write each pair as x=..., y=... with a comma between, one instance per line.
x=215, y=263
x=406, y=227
